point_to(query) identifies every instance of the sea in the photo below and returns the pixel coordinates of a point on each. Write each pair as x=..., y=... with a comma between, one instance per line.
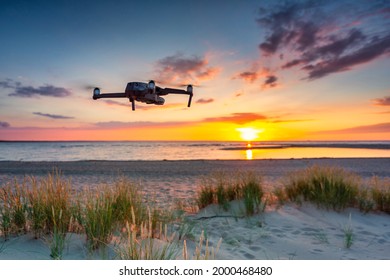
x=184, y=150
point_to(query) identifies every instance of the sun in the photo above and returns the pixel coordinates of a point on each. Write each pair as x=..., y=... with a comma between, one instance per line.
x=248, y=133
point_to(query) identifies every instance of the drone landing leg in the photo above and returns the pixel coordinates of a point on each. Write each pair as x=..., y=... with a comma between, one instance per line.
x=132, y=104
x=189, y=100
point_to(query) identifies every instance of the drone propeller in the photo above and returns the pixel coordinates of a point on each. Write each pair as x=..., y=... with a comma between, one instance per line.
x=89, y=87
x=184, y=85
x=86, y=86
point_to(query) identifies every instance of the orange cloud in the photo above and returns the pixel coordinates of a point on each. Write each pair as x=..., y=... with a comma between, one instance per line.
x=205, y=101
x=374, y=128
x=250, y=76
x=238, y=118
x=385, y=101
x=247, y=76
x=208, y=74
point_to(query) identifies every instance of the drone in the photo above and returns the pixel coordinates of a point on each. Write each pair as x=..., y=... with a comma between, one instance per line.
x=147, y=93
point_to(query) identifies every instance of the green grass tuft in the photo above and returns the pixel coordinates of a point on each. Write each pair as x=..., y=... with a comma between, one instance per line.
x=380, y=192
x=348, y=234
x=98, y=219
x=222, y=188
x=328, y=187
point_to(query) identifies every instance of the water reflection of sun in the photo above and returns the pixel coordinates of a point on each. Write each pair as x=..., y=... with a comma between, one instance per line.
x=249, y=154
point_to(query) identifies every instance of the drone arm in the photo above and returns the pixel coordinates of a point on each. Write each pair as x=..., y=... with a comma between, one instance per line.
x=111, y=95
x=173, y=91
x=178, y=91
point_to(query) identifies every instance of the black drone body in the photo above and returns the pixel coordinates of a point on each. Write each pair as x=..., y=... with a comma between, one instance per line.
x=147, y=93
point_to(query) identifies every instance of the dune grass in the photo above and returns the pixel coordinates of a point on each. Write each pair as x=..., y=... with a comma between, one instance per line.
x=335, y=188
x=348, y=234
x=58, y=237
x=108, y=209
x=328, y=187
x=140, y=242
x=97, y=218
x=14, y=209
x=51, y=210
x=380, y=193
x=121, y=214
x=50, y=204
x=221, y=188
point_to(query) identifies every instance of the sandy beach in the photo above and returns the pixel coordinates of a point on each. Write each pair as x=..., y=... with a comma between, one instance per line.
x=181, y=178
x=287, y=232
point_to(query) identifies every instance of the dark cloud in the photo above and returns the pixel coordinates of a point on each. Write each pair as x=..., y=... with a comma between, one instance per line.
x=284, y=25
x=205, y=101
x=365, y=54
x=4, y=124
x=47, y=90
x=270, y=81
x=249, y=76
x=326, y=52
x=238, y=118
x=30, y=91
x=385, y=101
x=9, y=83
x=51, y=116
x=324, y=37
x=180, y=69
x=337, y=46
x=292, y=63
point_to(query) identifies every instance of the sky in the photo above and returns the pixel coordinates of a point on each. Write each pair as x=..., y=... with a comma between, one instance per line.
x=262, y=70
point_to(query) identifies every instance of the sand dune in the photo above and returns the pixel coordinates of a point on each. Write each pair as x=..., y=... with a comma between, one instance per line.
x=304, y=233
x=289, y=232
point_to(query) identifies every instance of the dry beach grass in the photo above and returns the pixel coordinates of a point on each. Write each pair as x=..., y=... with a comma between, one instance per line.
x=313, y=212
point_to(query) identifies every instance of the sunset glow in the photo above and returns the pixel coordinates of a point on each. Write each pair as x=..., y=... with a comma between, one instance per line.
x=248, y=133
x=316, y=82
